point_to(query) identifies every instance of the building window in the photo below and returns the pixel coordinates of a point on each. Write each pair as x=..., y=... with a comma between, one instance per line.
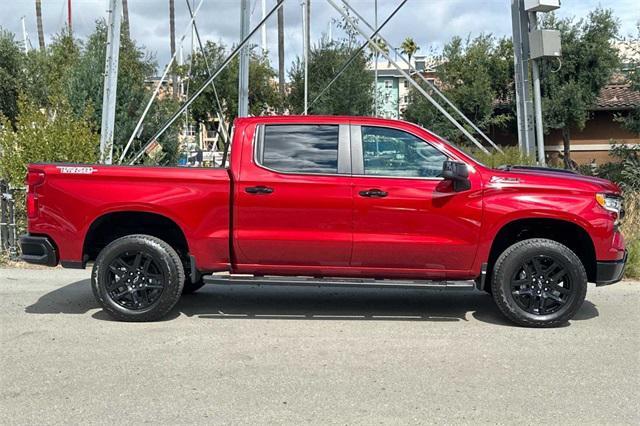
x=405, y=83
x=388, y=84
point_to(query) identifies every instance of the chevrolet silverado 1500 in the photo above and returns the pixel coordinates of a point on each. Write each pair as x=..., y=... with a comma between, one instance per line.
x=337, y=200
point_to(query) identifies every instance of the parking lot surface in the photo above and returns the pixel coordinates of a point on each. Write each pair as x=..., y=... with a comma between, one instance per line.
x=283, y=355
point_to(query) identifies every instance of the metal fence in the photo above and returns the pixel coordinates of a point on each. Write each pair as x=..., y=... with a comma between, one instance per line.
x=8, y=222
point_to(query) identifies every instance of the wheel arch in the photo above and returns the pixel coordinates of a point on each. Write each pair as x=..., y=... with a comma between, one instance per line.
x=115, y=224
x=565, y=232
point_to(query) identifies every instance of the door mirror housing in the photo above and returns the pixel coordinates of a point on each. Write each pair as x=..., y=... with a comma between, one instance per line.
x=458, y=173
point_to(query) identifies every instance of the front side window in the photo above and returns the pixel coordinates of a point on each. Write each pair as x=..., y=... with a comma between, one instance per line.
x=391, y=152
x=301, y=148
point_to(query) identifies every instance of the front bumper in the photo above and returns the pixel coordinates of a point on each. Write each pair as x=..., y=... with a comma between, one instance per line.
x=610, y=272
x=38, y=250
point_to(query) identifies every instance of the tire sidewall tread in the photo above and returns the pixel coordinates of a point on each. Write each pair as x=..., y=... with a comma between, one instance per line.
x=170, y=263
x=510, y=259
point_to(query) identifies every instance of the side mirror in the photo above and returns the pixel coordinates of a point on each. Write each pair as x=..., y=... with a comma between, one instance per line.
x=458, y=173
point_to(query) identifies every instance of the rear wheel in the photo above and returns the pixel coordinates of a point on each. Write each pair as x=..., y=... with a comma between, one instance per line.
x=539, y=283
x=137, y=278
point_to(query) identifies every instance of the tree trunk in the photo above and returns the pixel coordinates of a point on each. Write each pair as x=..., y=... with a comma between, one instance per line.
x=125, y=15
x=39, y=20
x=566, y=142
x=281, y=81
x=172, y=35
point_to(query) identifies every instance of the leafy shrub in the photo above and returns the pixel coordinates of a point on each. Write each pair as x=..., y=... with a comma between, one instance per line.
x=511, y=156
x=631, y=232
x=40, y=135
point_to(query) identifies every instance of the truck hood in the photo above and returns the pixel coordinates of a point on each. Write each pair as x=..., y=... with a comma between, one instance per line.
x=561, y=179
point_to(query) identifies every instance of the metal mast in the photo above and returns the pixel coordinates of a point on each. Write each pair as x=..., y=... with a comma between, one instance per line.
x=110, y=81
x=305, y=50
x=524, y=104
x=243, y=71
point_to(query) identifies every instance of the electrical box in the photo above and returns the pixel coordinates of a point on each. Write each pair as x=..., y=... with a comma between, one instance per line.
x=541, y=5
x=544, y=43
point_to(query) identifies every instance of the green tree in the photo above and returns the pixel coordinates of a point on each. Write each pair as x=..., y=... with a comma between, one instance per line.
x=350, y=94
x=263, y=88
x=631, y=121
x=588, y=61
x=84, y=89
x=477, y=76
x=10, y=72
x=409, y=47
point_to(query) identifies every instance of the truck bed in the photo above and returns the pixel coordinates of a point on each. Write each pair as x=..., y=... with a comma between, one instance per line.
x=75, y=196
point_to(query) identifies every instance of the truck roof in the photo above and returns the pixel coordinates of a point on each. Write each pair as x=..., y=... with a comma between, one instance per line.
x=317, y=119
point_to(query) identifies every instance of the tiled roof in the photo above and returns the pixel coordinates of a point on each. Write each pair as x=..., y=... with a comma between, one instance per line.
x=617, y=97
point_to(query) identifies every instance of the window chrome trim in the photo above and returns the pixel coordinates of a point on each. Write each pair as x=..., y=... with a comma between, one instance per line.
x=343, y=150
x=357, y=155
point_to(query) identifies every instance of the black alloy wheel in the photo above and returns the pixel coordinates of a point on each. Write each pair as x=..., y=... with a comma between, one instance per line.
x=542, y=285
x=135, y=280
x=539, y=283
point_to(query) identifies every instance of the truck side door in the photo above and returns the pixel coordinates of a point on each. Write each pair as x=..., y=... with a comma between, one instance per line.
x=407, y=219
x=293, y=200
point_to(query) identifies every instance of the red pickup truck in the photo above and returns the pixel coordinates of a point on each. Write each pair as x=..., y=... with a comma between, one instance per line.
x=337, y=200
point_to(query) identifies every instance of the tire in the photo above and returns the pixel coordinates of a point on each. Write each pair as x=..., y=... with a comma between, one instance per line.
x=539, y=283
x=137, y=278
x=191, y=287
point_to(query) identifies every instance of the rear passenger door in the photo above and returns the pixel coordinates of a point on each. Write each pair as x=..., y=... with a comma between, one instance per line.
x=293, y=200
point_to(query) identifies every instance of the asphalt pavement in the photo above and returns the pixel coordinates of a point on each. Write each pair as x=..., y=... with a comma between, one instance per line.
x=284, y=355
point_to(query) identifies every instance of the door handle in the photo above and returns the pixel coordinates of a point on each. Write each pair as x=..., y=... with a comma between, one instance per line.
x=373, y=193
x=258, y=190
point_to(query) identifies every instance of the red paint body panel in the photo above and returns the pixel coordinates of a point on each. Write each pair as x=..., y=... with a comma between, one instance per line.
x=317, y=224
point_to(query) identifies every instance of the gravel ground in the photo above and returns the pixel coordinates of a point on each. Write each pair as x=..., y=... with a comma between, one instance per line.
x=266, y=355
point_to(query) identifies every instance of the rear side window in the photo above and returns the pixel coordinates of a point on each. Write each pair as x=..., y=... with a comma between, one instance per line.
x=301, y=148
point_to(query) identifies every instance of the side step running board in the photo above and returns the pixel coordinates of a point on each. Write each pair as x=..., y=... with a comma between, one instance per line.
x=226, y=279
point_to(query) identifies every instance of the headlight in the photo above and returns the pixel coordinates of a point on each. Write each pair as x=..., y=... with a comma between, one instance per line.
x=612, y=203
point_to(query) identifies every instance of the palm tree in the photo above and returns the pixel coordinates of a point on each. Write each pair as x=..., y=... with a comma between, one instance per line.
x=409, y=47
x=39, y=20
x=381, y=44
x=125, y=16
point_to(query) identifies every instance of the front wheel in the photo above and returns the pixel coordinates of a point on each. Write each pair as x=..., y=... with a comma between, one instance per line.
x=137, y=278
x=539, y=283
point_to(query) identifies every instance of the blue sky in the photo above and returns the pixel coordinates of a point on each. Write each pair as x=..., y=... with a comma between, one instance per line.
x=430, y=22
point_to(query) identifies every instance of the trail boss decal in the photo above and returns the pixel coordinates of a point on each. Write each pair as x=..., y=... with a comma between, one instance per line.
x=76, y=170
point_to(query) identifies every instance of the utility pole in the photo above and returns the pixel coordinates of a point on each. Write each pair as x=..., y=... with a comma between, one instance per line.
x=263, y=30
x=524, y=104
x=39, y=23
x=537, y=98
x=172, y=40
x=281, y=80
x=69, y=23
x=243, y=71
x=110, y=81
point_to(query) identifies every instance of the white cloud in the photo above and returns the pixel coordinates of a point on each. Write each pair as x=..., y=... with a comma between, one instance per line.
x=430, y=22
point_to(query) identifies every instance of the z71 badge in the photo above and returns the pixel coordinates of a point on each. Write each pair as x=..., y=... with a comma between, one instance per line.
x=76, y=170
